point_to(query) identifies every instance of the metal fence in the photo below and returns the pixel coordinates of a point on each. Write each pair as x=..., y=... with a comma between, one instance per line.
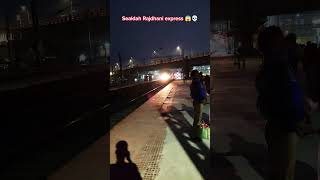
x=169, y=59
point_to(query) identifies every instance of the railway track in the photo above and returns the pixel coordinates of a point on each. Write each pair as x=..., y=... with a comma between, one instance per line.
x=118, y=111
x=33, y=141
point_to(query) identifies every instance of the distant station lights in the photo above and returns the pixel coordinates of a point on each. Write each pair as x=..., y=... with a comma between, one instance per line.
x=179, y=50
x=131, y=63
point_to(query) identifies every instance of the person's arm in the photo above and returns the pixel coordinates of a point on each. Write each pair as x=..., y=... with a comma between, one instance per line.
x=313, y=106
x=306, y=128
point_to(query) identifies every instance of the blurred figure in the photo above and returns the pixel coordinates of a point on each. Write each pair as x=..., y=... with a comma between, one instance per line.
x=307, y=54
x=198, y=94
x=122, y=170
x=312, y=70
x=241, y=57
x=291, y=44
x=281, y=103
x=300, y=53
x=207, y=83
x=185, y=78
x=82, y=59
x=201, y=78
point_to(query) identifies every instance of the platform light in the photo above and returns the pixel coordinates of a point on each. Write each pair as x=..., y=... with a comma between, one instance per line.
x=164, y=76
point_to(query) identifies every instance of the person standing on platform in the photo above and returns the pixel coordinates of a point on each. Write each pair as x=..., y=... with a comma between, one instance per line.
x=203, y=80
x=198, y=94
x=280, y=102
x=201, y=77
x=207, y=83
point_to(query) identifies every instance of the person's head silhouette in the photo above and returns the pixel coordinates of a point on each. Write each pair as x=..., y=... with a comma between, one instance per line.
x=122, y=152
x=122, y=170
x=194, y=74
x=270, y=39
x=271, y=44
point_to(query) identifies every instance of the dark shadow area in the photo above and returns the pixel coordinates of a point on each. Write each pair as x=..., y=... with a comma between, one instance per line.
x=256, y=154
x=222, y=167
x=54, y=84
x=41, y=160
x=253, y=152
x=180, y=126
x=121, y=169
x=252, y=117
x=305, y=171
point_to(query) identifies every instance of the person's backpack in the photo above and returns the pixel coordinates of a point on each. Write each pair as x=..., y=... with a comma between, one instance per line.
x=197, y=90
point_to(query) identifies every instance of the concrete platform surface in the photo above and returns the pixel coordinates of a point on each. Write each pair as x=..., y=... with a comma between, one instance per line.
x=158, y=139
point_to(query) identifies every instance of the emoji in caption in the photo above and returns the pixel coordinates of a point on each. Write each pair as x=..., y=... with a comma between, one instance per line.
x=188, y=18
x=194, y=18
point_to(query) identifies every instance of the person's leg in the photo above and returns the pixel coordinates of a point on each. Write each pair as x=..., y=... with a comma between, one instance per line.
x=272, y=152
x=282, y=154
x=276, y=153
x=200, y=111
x=196, y=119
x=292, y=141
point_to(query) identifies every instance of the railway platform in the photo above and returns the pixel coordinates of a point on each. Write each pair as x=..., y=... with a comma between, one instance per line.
x=156, y=136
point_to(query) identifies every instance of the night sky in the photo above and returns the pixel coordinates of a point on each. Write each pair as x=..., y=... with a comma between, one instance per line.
x=139, y=39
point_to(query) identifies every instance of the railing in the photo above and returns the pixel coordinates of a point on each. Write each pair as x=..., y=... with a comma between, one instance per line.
x=169, y=59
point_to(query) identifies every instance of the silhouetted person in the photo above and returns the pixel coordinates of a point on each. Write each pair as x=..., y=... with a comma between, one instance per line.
x=312, y=70
x=201, y=77
x=241, y=57
x=207, y=83
x=292, y=52
x=281, y=103
x=306, y=55
x=202, y=80
x=185, y=78
x=123, y=170
x=300, y=53
x=198, y=94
